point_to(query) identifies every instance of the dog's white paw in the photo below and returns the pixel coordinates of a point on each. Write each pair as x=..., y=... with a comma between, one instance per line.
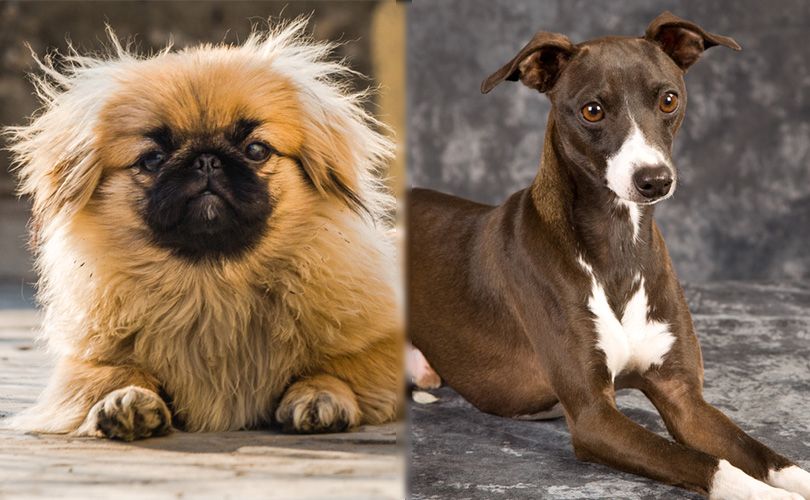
x=320, y=404
x=775, y=494
x=128, y=414
x=421, y=373
x=791, y=478
x=730, y=483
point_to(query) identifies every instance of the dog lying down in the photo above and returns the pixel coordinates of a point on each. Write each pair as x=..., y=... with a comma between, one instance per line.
x=565, y=292
x=211, y=236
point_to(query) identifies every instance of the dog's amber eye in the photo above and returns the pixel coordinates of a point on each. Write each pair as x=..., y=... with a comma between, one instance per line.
x=152, y=161
x=257, y=151
x=593, y=112
x=668, y=102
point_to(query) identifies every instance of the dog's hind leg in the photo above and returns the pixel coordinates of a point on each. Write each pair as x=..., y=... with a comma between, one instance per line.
x=91, y=399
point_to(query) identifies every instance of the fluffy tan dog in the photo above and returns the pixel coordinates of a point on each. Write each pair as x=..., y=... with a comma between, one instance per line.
x=211, y=237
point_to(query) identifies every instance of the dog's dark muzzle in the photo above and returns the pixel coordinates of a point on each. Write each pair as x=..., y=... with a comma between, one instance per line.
x=212, y=204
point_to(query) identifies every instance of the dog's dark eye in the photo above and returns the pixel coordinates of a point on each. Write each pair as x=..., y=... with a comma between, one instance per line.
x=257, y=151
x=593, y=112
x=152, y=161
x=668, y=102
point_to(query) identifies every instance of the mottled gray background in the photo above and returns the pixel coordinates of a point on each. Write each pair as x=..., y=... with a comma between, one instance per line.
x=45, y=26
x=742, y=209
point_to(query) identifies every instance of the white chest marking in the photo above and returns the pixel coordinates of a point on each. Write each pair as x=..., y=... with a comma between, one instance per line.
x=634, y=341
x=634, y=212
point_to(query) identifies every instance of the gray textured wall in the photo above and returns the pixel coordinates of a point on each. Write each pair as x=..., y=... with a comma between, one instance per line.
x=742, y=209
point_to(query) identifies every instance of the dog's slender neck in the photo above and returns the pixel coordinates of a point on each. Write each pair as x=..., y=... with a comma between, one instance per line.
x=585, y=212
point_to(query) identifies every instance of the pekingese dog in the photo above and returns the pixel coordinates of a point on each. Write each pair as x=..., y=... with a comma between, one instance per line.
x=213, y=242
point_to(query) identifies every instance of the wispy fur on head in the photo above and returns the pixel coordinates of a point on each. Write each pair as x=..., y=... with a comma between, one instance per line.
x=315, y=297
x=346, y=151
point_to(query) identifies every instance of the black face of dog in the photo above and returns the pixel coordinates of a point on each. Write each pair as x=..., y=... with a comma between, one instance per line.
x=207, y=198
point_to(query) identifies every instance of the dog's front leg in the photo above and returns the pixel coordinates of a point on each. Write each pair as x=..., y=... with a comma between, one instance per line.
x=318, y=403
x=93, y=399
x=360, y=388
x=697, y=424
x=604, y=435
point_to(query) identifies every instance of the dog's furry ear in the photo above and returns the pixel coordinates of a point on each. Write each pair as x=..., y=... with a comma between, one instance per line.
x=537, y=65
x=55, y=153
x=343, y=151
x=344, y=148
x=328, y=159
x=682, y=40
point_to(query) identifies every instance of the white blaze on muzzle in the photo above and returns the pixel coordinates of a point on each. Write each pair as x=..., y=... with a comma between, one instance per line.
x=634, y=153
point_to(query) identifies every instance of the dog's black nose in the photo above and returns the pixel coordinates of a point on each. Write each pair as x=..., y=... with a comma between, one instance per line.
x=653, y=182
x=207, y=162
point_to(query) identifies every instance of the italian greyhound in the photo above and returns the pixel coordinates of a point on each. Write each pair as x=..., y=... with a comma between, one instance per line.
x=551, y=301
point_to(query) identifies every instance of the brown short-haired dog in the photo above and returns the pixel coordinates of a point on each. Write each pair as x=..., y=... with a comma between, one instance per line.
x=211, y=228
x=550, y=302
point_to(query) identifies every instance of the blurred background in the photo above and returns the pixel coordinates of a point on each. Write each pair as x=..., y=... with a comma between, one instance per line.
x=372, y=37
x=742, y=208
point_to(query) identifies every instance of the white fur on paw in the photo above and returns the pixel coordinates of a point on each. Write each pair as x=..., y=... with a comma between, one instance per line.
x=730, y=483
x=422, y=374
x=307, y=410
x=128, y=414
x=791, y=478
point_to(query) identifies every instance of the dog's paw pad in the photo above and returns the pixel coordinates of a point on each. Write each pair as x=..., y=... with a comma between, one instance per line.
x=306, y=409
x=129, y=414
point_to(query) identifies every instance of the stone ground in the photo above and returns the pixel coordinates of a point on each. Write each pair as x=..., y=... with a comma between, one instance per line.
x=364, y=464
x=756, y=346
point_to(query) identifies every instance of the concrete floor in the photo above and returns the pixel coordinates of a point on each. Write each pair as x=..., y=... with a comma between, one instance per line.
x=366, y=464
x=756, y=347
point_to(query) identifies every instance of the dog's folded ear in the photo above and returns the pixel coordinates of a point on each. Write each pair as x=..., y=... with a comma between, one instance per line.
x=55, y=154
x=329, y=161
x=537, y=65
x=344, y=150
x=682, y=40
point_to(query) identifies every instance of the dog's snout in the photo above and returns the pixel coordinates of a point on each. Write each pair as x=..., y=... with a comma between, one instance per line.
x=653, y=182
x=207, y=162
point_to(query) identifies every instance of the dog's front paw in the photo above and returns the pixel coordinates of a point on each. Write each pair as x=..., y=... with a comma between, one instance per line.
x=128, y=414
x=791, y=478
x=730, y=483
x=318, y=404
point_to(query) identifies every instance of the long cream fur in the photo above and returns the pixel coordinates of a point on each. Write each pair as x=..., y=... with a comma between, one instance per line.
x=314, y=305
